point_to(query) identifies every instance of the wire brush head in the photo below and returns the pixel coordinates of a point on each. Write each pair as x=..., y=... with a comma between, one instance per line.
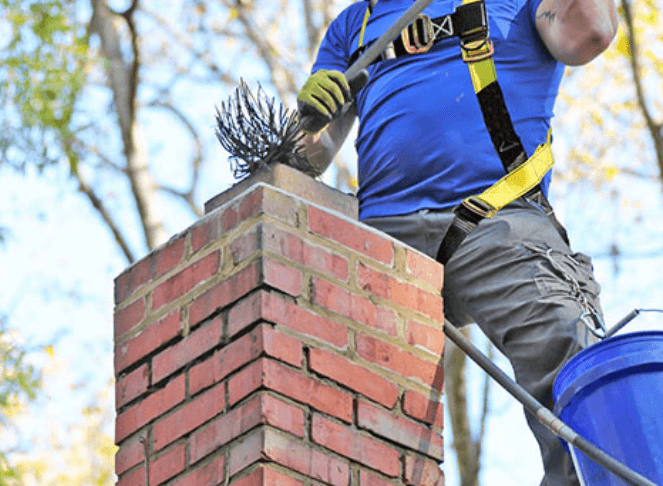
x=258, y=134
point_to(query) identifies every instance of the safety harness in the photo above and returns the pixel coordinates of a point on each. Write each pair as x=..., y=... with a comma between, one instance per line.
x=523, y=177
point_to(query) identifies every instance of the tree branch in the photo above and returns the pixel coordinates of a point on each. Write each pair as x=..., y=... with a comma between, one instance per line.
x=202, y=56
x=187, y=197
x=198, y=158
x=98, y=204
x=653, y=127
x=123, y=82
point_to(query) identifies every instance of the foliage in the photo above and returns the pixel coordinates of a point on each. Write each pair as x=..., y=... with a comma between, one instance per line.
x=80, y=455
x=612, y=109
x=19, y=384
x=41, y=74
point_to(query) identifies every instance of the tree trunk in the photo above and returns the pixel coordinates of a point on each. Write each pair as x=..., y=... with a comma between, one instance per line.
x=122, y=78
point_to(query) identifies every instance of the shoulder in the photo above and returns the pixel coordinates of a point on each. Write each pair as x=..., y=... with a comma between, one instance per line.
x=351, y=15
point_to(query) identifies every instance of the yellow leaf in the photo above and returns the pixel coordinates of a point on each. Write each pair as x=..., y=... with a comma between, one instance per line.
x=652, y=18
x=233, y=14
x=623, y=46
x=610, y=173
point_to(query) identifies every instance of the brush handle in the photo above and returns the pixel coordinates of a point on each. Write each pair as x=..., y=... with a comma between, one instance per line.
x=356, y=75
x=376, y=48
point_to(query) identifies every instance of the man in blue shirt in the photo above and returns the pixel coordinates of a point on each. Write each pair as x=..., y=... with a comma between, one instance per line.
x=423, y=147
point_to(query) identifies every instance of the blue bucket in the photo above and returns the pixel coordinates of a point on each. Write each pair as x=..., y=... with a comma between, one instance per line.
x=612, y=395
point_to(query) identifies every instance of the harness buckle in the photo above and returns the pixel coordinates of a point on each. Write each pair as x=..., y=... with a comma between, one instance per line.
x=418, y=37
x=479, y=206
x=477, y=50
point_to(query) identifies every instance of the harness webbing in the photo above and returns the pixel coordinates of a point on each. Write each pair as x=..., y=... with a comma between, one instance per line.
x=523, y=174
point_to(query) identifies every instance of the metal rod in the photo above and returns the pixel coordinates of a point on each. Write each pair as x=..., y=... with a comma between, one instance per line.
x=385, y=39
x=543, y=415
x=376, y=48
x=629, y=317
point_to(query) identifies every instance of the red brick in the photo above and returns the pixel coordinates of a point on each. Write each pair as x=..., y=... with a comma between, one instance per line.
x=153, y=337
x=229, y=218
x=151, y=267
x=422, y=408
x=281, y=206
x=262, y=409
x=251, y=204
x=168, y=257
x=353, y=376
x=352, y=306
x=263, y=305
x=224, y=293
x=282, y=277
x=168, y=464
x=351, y=444
x=186, y=280
x=404, y=294
x=129, y=455
x=275, y=376
x=282, y=243
x=246, y=450
x=301, y=457
x=428, y=337
x=262, y=340
x=131, y=386
x=246, y=245
x=152, y=406
x=134, y=478
x=400, y=361
x=190, y=416
x=206, y=231
x=129, y=317
x=264, y=476
x=425, y=269
x=132, y=278
x=213, y=473
x=187, y=350
x=350, y=234
x=296, y=249
x=326, y=262
x=369, y=479
x=422, y=472
x=400, y=430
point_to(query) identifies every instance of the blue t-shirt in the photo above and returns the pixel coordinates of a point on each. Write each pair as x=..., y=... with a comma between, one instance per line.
x=422, y=142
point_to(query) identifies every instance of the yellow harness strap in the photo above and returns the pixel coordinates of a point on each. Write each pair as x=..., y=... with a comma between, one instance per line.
x=478, y=55
x=515, y=184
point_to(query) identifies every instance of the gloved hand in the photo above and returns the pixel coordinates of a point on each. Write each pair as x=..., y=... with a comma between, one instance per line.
x=321, y=99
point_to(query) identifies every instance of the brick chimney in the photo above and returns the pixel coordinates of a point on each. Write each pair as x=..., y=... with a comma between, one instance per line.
x=279, y=342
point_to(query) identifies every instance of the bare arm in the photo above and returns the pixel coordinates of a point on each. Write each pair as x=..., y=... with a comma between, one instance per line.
x=576, y=31
x=322, y=147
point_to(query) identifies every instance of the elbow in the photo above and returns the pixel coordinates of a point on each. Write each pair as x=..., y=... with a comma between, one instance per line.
x=589, y=46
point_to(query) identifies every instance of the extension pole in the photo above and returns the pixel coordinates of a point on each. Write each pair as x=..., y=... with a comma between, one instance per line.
x=543, y=415
x=385, y=39
x=376, y=48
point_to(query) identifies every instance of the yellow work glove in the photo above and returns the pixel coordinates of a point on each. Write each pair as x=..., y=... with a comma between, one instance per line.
x=321, y=99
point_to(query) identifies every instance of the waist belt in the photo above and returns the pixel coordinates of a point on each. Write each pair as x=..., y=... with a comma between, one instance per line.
x=523, y=174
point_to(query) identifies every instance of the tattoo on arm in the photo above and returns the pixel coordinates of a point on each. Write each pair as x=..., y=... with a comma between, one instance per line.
x=550, y=15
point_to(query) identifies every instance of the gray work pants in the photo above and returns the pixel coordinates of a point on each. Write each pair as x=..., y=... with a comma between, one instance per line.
x=516, y=278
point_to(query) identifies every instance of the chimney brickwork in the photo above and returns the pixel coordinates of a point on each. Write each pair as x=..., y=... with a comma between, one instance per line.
x=279, y=342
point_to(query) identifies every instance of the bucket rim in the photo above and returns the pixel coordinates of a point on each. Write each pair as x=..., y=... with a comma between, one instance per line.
x=570, y=381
